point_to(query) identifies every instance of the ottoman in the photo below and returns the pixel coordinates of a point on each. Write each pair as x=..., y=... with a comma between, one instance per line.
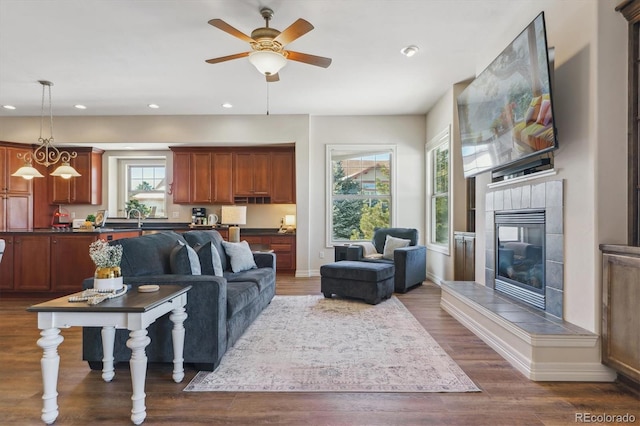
x=370, y=281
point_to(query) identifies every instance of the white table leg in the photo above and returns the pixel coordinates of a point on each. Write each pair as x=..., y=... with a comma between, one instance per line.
x=108, y=340
x=138, y=340
x=178, y=316
x=50, y=365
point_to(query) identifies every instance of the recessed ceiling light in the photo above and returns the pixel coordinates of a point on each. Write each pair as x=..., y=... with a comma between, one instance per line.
x=8, y=107
x=80, y=106
x=409, y=51
x=227, y=105
x=154, y=106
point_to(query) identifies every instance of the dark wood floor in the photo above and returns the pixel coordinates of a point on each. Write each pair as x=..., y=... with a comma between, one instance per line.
x=507, y=397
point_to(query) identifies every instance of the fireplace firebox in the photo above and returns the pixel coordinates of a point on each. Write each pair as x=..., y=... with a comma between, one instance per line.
x=520, y=255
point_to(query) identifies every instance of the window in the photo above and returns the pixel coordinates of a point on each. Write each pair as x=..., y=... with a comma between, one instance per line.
x=360, y=191
x=437, y=151
x=146, y=188
x=142, y=185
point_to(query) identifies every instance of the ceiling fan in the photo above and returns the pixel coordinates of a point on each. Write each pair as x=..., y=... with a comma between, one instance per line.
x=267, y=46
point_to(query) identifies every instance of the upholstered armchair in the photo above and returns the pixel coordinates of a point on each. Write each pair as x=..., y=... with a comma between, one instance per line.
x=400, y=247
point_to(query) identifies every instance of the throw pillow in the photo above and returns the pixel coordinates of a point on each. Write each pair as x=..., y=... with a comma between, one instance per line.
x=210, y=262
x=240, y=256
x=392, y=243
x=184, y=260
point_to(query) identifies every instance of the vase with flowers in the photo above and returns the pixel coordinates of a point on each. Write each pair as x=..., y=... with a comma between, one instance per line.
x=107, y=259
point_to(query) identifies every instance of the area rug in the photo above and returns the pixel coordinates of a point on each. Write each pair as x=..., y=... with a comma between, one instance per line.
x=313, y=344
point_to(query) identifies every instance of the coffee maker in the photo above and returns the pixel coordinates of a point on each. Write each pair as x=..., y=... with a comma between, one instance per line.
x=198, y=215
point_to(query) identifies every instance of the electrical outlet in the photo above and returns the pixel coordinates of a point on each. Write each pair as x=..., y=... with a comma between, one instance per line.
x=73, y=215
x=176, y=215
x=321, y=254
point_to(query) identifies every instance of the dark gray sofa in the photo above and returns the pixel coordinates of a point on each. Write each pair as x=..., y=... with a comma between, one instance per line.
x=219, y=308
x=410, y=262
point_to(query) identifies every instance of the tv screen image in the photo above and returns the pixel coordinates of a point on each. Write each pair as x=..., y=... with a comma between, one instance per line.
x=506, y=113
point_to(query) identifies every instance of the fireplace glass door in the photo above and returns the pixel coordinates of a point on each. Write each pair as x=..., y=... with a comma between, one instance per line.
x=520, y=257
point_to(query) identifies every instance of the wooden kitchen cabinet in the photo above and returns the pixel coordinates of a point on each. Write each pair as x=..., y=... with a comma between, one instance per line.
x=252, y=174
x=285, y=248
x=16, y=201
x=9, y=163
x=223, y=177
x=464, y=256
x=31, y=262
x=283, y=177
x=246, y=175
x=181, y=185
x=50, y=261
x=85, y=189
x=201, y=176
x=6, y=265
x=620, y=315
x=70, y=261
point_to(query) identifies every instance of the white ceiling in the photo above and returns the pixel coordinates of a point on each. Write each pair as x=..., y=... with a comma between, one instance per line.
x=118, y=56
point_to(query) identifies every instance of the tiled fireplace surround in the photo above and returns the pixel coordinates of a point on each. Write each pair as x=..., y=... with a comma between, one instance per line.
x=544, y=195
x=540, y=344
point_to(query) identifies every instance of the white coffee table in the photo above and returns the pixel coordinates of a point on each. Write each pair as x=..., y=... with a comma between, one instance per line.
x=134, y=311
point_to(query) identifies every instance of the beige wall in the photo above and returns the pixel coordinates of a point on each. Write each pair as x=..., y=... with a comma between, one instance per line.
x=310, y=135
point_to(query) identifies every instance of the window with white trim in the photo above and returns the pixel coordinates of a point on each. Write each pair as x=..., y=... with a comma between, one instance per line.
x=438, y=184
x=359, y=191
x=142, y=185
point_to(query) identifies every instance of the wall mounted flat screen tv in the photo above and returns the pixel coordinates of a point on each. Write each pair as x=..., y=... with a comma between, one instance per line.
x=506, y=113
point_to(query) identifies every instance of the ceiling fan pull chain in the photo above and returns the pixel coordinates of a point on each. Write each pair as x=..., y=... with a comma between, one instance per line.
x=267, y=98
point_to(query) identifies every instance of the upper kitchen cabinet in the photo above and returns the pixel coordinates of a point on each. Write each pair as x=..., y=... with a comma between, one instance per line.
x=252, y=174
x=201, y=176
x=283, y=177
x=221, y=175
x=85, y=189
x=16, y=199
x=9, y=163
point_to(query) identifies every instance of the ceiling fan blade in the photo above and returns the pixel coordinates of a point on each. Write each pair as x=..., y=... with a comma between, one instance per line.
x=227, y=58
x=220, y=24
x=318, y=61
x=272, y=78
x=293, y=31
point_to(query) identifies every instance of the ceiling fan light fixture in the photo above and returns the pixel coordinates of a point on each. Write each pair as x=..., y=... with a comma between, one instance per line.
x=267, y=62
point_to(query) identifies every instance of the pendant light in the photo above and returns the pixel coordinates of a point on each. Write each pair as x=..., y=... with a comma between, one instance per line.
x=46, y=154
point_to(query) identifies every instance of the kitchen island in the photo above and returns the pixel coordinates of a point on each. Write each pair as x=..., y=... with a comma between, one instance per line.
x=45, y=262
x=53, y=262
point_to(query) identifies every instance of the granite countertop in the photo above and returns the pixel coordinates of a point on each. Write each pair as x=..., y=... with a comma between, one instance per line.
x=117, y=227
x=69, y=231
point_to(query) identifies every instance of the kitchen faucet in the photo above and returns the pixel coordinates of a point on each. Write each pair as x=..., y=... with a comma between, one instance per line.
x=139, y=216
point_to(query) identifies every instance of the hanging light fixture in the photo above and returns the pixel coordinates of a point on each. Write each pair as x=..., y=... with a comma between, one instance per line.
x=46, y=154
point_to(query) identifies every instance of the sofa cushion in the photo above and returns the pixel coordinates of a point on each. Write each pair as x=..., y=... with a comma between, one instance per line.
x=262, y=277
x=393, y=243
x=203, y=237
x=148, y=254
x=240, y=295
x=209, y=257
x=240, y=256
x=184, y=260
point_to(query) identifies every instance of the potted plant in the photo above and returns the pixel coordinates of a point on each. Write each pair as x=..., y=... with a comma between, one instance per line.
x=107, y=259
